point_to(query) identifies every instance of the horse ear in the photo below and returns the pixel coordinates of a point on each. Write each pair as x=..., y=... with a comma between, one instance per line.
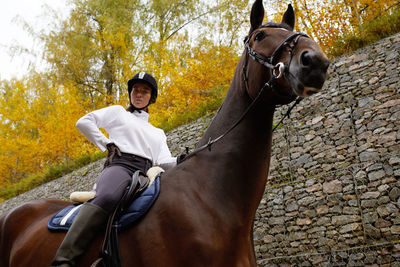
x=288, y=17
x=257, y=15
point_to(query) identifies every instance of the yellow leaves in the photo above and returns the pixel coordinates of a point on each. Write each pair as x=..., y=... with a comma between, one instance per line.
x=40, y=132
x=327, y=21
x=38, y=120
x=188, y=86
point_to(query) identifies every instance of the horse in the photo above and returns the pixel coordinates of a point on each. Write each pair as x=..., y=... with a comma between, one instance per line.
x=205, y=211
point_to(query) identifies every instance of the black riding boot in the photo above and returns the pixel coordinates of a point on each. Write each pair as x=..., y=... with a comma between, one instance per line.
x=90, y=219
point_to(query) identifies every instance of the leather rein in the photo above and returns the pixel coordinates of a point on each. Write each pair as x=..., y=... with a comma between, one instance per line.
x=276, y=72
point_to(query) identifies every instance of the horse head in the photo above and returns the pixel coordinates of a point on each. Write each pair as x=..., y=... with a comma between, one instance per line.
x=290, y=62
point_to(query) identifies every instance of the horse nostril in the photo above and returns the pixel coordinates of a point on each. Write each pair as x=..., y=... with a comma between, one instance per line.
x=311, y=60
x=305, y=59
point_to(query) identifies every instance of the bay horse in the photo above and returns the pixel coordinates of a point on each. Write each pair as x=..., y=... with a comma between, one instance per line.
x=205, y=211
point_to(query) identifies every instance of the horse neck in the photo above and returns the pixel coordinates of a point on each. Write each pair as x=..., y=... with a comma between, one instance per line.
x=238, y=163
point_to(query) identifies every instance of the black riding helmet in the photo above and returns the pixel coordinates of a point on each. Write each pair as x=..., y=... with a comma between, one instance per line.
x=146, y=78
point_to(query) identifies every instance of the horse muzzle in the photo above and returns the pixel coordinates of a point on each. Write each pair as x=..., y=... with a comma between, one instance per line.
x=311, y=70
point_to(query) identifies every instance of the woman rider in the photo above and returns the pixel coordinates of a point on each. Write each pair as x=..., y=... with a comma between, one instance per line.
x=133, y=144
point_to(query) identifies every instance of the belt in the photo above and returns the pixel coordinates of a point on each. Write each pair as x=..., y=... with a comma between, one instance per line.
x=132, y=161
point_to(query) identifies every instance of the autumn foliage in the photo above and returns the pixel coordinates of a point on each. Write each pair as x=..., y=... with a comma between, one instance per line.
x=37, y=128
x=192, y=47
x=198, y=86
x=328, y=21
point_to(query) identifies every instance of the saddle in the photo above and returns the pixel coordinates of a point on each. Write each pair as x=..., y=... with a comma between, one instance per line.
x=110, y=255
x=83, y=196
x=136, y=201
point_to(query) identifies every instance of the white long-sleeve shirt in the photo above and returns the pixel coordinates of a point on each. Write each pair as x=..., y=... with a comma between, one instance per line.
x=131, y=132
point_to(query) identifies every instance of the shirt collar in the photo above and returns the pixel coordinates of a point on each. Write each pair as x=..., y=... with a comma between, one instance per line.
x=141, y=115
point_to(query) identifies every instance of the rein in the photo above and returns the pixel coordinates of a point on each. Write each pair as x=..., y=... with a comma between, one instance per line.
x=276, y=72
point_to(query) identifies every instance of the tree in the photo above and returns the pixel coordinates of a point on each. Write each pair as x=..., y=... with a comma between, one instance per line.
x=95, y=47
x=103, y=43
x=37, y=127
x=92, y=53
x=199, y=85
x=328, y=21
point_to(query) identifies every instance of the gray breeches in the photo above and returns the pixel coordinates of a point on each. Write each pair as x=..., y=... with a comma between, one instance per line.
x=115, y=178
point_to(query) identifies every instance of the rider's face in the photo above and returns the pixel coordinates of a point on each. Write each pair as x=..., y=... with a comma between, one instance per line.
x=140, y=95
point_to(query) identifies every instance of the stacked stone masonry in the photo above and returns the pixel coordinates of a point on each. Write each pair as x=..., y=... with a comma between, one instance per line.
x=333, y=196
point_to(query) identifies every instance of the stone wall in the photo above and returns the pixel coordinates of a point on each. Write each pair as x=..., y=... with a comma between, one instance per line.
x=334, y=191
x=333, y=196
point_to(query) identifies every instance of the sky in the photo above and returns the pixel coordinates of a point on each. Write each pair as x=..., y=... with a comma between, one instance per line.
x=12, y=32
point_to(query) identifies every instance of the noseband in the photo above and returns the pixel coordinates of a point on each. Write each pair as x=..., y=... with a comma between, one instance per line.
x=276, y=72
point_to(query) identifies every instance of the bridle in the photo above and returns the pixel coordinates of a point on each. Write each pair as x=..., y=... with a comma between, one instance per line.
x=276, y=72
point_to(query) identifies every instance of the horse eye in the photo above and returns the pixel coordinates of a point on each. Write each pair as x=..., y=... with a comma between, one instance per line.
x=259, y=36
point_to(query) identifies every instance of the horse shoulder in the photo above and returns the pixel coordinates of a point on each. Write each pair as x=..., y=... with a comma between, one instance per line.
x=184, y=216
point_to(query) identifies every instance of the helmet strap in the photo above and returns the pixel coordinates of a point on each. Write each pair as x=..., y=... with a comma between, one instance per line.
x=133, y=108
